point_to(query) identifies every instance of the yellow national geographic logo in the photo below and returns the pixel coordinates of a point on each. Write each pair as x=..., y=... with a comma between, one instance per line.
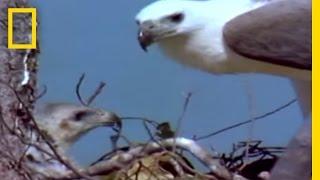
x=33, y=44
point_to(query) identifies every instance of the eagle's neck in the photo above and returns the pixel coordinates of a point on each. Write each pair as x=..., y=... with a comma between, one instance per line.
x=41, y=162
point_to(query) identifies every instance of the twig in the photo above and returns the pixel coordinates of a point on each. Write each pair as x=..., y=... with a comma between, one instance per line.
x=179, y=122
x=245, y=122
x=42, y=93
x=93, y=96
x=252, y=110
x=96, y=93
x=78, y=86
x=145, y=125
x=152, y=122
x=184, y=110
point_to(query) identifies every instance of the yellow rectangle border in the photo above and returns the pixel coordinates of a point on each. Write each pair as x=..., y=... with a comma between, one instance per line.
x=315, y=91
x=33, y=44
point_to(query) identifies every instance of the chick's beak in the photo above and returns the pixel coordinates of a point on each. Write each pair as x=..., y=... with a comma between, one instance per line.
x=113, y=120
x=145, y=39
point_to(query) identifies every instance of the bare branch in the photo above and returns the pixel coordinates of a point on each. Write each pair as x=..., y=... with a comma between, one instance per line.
x=96, y=93
x=246, y=122
x=153, y=122
x=184, y=110
x=42, y=93
x=78, y=86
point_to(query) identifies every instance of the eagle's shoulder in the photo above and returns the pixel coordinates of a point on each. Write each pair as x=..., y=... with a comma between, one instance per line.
x=279, y=33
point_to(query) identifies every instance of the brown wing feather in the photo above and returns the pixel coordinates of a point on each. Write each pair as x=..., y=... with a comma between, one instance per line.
x=278, y=33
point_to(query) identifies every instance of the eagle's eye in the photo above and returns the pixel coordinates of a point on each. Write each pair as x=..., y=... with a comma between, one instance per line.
x=176, y=18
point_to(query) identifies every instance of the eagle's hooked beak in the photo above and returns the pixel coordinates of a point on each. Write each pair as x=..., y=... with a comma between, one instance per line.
x=145, y=39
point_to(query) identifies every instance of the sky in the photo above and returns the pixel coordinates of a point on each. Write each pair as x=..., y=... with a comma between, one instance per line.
x=99, y=38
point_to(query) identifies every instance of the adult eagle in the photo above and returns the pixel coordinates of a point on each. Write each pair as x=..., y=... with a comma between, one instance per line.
x=242, y=36
x=235, y=36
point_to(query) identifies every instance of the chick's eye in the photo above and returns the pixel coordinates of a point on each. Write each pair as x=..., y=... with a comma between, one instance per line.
x=81, y=115
x=178, y=17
